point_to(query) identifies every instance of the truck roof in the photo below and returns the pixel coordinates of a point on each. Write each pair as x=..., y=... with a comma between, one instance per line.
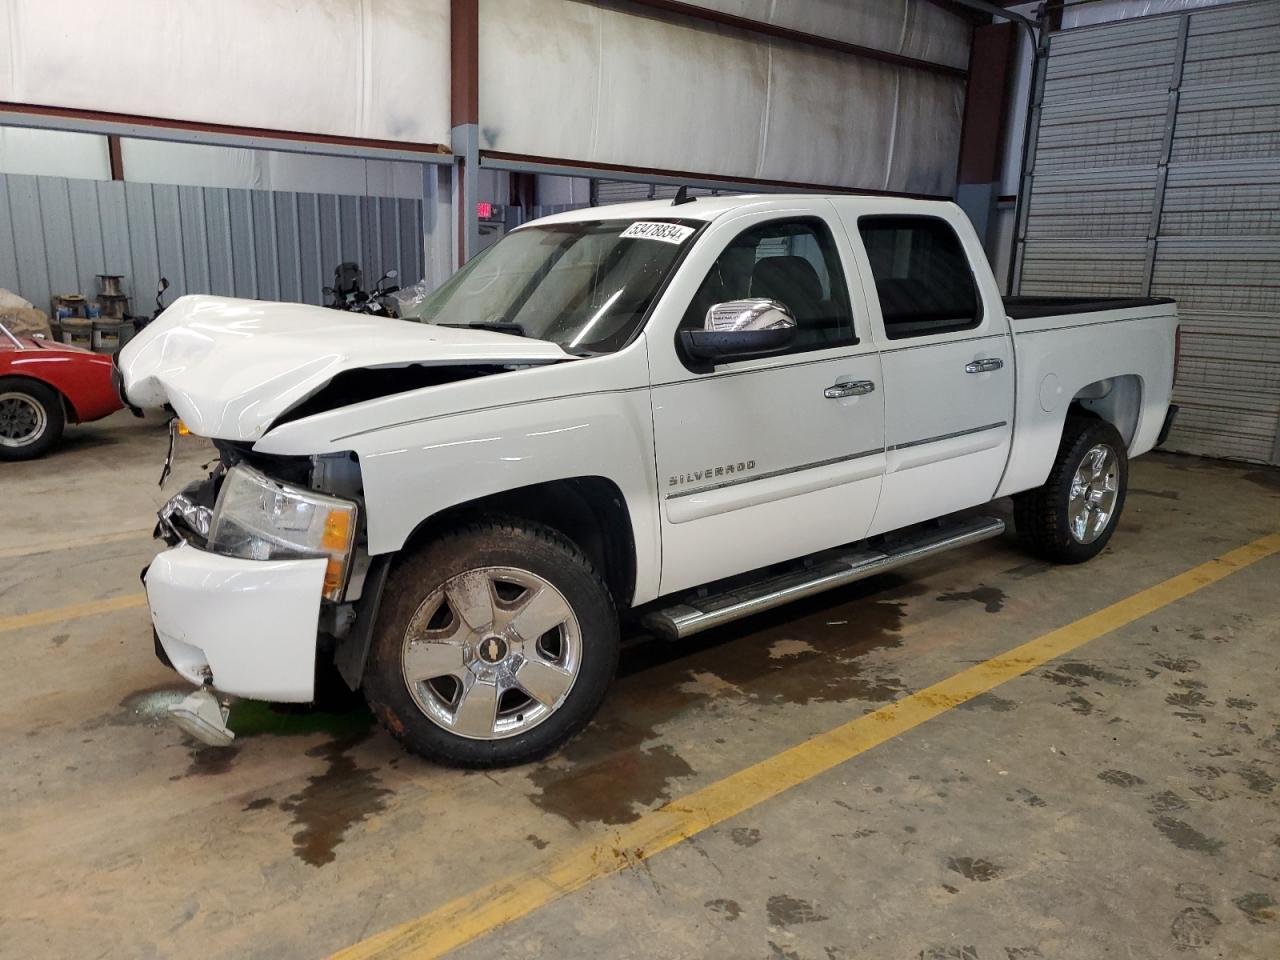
x=709, y=208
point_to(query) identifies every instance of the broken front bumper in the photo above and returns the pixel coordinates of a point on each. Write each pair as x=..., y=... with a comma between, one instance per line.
x=247, y=627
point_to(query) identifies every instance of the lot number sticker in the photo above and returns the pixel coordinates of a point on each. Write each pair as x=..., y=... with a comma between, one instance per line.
x=654, y=230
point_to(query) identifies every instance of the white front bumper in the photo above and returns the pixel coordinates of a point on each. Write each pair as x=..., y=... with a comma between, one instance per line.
x=249, y=624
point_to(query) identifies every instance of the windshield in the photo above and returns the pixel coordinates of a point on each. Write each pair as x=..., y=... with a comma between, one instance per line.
x=585, y=285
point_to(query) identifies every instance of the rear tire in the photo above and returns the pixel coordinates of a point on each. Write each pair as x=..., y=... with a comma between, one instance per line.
x=494, y=645
x=31, y=418
x=1072, y=516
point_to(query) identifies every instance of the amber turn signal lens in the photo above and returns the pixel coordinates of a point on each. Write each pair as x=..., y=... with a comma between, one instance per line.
x=337, y=530
x=333, y=576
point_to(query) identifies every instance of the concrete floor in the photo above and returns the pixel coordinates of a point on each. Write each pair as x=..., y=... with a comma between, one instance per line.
x=1121, y=802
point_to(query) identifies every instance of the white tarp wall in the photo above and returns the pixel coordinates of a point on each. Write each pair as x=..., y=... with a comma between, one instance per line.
x=909, y=27
x=571, y=80
x=376, y=69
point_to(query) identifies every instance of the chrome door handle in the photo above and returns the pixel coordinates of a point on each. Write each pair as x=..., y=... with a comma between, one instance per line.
x=983, y=366
x=848, y=388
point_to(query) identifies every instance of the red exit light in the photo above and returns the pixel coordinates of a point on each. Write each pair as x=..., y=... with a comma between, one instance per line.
x=484, y=209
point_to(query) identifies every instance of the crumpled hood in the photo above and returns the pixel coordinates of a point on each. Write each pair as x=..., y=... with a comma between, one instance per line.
x=231, y=367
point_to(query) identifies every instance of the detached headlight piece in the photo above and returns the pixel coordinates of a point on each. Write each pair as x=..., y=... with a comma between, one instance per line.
x=258, y=518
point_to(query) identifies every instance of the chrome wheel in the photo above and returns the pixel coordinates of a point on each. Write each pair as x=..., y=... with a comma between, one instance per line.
x=492, y=653
x=1094, y=489
x=22, y=420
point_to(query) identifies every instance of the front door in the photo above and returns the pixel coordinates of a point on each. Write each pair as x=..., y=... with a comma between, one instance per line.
x=768, y=459
x=948, y=365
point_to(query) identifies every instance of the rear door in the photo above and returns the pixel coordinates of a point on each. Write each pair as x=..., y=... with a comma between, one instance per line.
x=946, y=356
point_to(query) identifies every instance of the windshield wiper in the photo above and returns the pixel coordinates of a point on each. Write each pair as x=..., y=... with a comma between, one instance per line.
x=497, y=326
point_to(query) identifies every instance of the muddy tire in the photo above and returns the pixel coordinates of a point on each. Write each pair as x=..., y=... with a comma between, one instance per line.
x=494, y=645
x=31, y=418
x=1072, y=516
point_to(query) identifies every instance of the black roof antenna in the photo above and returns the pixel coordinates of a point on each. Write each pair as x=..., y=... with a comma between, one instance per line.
x=682, y=196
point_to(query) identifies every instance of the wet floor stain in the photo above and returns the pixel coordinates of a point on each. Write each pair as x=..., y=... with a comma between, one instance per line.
x=537, y=841
x=1176, y=664
x=812, y=652
x=785, y=911
x=989, y=701
x=972, y=868
x=1240, y=703
x=1194, y=893
x=1194, y=928
x=991, y=598
x=1160, y=494
x=729, y=909
x=258, y=803
x=1267, y=478
x=1030, y=798
x=1120, y=778
x=1076, y=674
x=614, y=789
x=1165, y=802
x=1187, y=699
x=1256, y=779
x=1207, y=791
x=333, y=801
x=1186, y=837
x=1078, y=704
x=949, y=953
x=745, y=836
x=210, y=761
x=1258, y=907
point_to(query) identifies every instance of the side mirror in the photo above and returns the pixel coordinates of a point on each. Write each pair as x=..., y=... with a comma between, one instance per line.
x=391, y=274
x=164, y=285
x=740, y=329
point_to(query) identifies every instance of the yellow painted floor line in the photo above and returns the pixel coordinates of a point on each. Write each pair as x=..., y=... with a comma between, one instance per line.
x=57, y=545
x=482, y=911
x=75, y=611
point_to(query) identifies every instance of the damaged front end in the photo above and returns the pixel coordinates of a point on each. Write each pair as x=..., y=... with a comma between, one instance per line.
x=265, y=568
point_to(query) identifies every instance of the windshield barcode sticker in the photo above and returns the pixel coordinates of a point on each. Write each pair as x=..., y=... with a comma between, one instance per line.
x=656, y=230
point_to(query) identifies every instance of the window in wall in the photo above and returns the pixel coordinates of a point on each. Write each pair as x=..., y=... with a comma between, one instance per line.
x=792, y=261
x=922, y=276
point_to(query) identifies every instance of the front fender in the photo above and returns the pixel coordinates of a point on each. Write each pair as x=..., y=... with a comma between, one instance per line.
x=416, y=471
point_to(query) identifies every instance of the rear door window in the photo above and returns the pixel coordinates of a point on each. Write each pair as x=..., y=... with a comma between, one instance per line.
x=923, y=279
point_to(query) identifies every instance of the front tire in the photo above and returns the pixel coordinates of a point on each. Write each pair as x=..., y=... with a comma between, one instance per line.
x=31, y=418
x=494, y=645
x=1072, y=516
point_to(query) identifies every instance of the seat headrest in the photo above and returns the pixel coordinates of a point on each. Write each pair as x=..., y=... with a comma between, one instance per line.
x=789, y=280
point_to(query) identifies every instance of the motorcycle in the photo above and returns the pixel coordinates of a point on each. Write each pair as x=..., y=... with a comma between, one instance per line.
x=348, y=293
x=140, y=321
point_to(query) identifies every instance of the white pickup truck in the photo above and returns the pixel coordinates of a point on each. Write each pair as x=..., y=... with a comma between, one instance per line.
x=671, y=413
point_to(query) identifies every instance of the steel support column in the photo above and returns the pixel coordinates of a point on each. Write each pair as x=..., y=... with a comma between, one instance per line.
x=464, y=104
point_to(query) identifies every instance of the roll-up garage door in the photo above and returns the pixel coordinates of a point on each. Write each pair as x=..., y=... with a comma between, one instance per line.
x=1156, y=168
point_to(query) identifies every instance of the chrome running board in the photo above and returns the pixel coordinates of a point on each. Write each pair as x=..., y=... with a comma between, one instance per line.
x=693, y=612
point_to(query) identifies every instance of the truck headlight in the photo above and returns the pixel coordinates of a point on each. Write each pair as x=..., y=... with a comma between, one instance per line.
x=258, y=518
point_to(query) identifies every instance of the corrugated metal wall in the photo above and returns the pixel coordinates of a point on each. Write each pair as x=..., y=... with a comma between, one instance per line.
x=56, y=234
x=1157, y=168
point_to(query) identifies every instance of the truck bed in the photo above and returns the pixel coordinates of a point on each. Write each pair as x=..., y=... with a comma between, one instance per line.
x=1027, y=308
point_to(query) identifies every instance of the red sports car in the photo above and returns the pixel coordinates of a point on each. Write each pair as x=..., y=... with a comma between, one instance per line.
x=42, y=386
